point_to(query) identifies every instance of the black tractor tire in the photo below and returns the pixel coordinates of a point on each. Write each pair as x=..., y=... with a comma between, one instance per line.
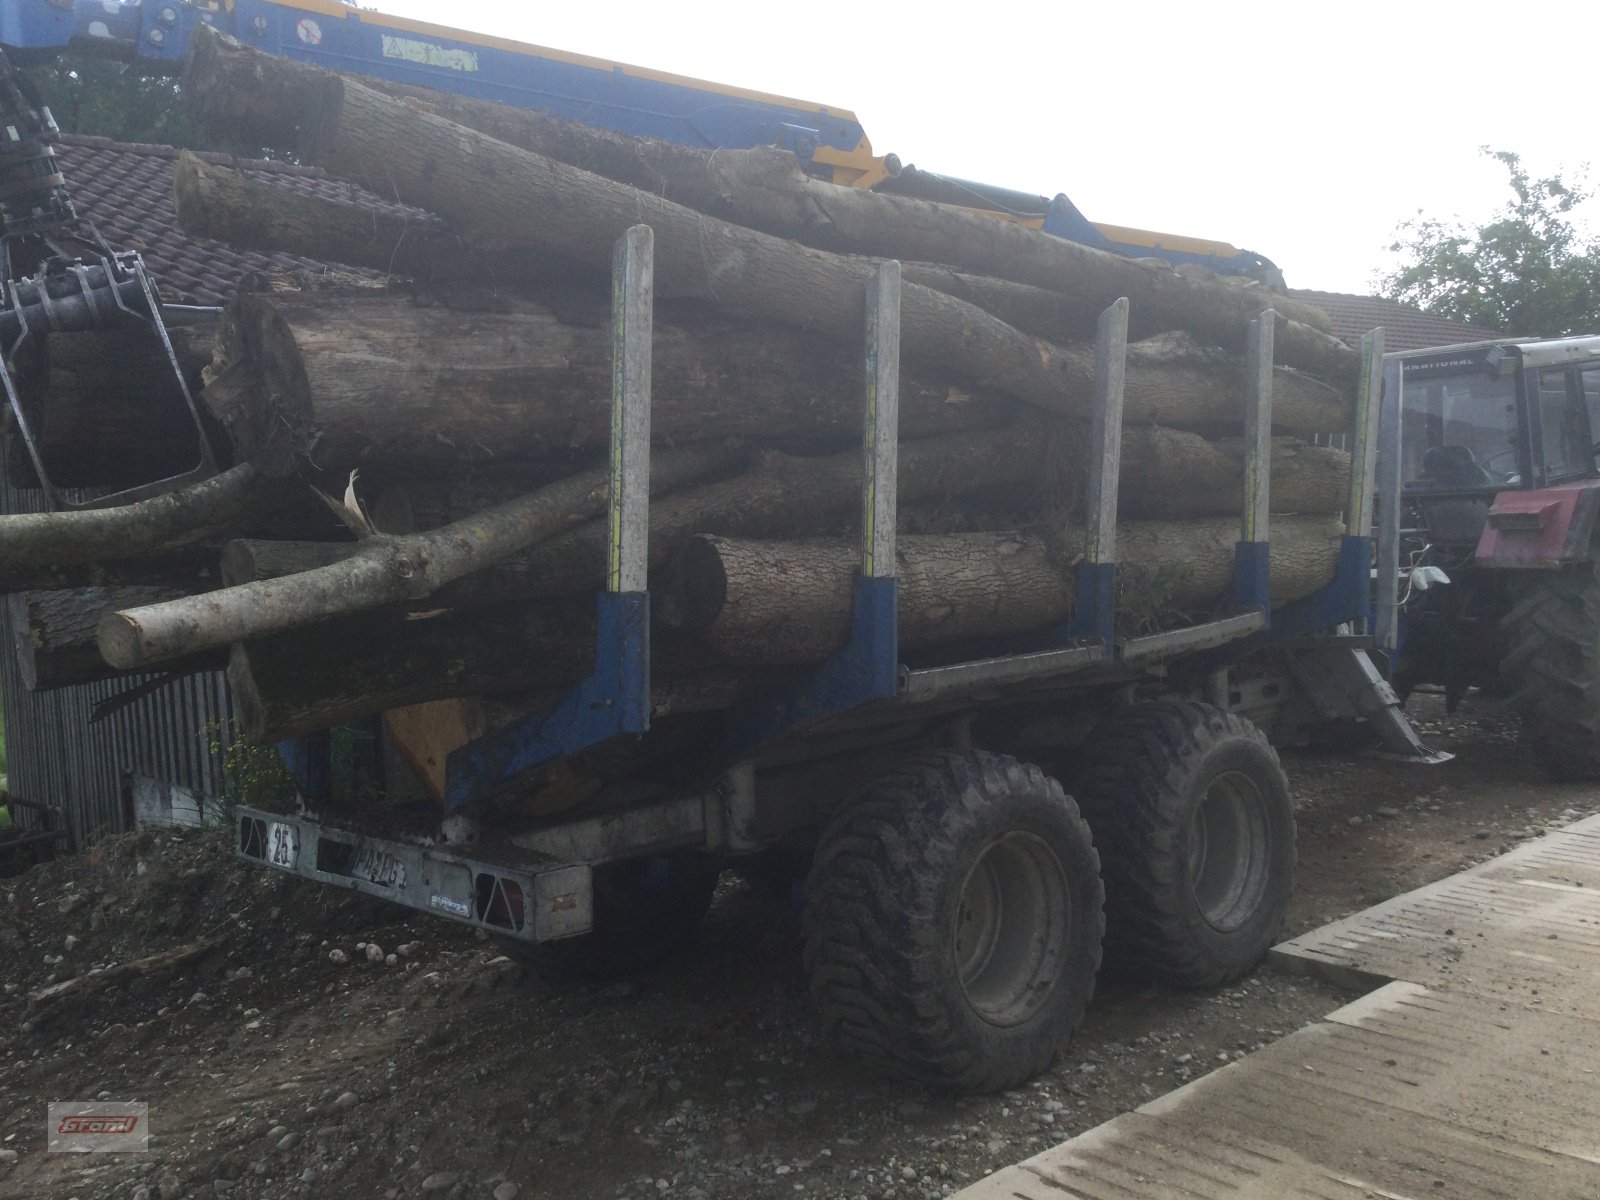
x=1553, y=666
x=953, y=921
x=646, y=910
x=1191, y=811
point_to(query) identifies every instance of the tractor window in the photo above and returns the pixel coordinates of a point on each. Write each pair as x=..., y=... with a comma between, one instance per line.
x=1567, y=448
x=1460, y=433
x=1591, y=401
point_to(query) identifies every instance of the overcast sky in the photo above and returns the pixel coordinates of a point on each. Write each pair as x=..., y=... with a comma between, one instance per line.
x=1307, y=138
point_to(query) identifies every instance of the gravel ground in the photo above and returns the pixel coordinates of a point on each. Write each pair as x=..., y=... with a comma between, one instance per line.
x=327, y=1048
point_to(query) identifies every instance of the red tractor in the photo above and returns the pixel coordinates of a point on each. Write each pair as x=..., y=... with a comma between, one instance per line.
x=1499, y=491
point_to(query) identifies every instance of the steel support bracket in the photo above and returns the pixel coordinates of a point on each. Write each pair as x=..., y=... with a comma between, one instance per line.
x=1094, y=607
x=613, y=700
x=1252, y=578
x=868, y=668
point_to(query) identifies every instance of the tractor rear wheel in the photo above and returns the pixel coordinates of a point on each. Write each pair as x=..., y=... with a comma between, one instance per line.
x=1553, y=665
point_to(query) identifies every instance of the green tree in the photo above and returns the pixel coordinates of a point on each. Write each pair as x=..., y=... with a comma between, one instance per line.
x=1529, y=271
x=92, y=95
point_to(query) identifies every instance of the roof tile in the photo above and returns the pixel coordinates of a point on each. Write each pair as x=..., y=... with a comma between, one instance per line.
x=1404, y=327
x=125, y=190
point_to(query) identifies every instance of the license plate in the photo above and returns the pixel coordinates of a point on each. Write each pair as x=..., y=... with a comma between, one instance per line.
x=376, y=866
x=283, y=844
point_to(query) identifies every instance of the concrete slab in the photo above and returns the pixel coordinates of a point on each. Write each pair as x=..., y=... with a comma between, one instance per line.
x=1475, y=1075
x=1523, y=927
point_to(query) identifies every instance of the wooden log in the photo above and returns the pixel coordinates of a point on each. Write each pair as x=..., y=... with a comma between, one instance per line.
x=168, y=522
x=190, y=570
x=348, y=380
x=359, y=134
x=328, y=674
x=782, y=494
x=487, y=190
x=1170, y=473
x=234, y=207
x=54, y=633
x=789, y=602
x=228, y=205
x=247, y=560
x=1063, y=316
x=384, y=570
x=1165, y=473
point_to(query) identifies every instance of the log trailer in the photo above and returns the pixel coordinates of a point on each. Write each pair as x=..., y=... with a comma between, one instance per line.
x=957, y=899
x=953, y=905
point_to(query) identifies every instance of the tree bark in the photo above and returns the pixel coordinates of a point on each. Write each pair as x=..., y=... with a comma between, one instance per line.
x=291, y=684
x=782, y=495
x=32, y=541
x=488, y=190
x=248, y=560
x=384, y=570
x=1065, y=316
x=1164, y=473
x=189, y=570
x=228, y=205
x=350, y=380
x=54, y=633
x=789, y=602
x=1170, y=473
x=359, y=134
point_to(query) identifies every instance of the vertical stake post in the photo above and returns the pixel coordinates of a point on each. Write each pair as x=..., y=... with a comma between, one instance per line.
x=615, y=698
x=1094, y=606
x=1364, y=453
x=882, y=424
x=632, y=318
x=1252, y=569
x=1387, y=601
x=1363, y=479
x=875, y=618
x=868, y=667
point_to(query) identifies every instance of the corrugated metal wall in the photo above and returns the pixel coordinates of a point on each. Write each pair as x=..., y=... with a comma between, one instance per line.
x=56, y=754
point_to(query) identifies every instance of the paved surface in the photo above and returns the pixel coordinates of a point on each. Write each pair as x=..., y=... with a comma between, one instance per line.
x=1471, y=1072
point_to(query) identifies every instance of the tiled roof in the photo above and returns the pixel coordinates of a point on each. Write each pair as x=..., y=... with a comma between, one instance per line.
x=1404, y=327
x=125, y=190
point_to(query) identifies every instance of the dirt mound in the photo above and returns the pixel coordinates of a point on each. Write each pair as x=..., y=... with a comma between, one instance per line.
x=101, y=933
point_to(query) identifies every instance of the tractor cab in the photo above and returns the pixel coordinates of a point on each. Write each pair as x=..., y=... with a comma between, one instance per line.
x=1495, y=554
x=1494, y=417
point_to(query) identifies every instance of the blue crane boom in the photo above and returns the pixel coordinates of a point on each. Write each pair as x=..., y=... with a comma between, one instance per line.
x=830, y=141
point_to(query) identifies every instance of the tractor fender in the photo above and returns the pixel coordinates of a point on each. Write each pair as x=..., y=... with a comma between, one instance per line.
x=1540, y=529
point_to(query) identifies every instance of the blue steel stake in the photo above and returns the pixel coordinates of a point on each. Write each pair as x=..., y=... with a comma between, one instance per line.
x=1252, y=563
x=868, y=666
x=1094, y=608
x=615, y=698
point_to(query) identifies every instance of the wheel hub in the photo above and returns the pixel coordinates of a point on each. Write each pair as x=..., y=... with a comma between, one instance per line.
x=1011, y=922
x=1228, y=851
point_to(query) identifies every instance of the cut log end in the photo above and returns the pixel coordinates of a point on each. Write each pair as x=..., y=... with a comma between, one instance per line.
x=121, y=643
x=700, y=588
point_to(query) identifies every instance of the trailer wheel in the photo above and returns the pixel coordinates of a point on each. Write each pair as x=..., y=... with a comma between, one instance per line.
x=1553, y=629
x=953, y=921
x=645, y=911
x=1191, y=811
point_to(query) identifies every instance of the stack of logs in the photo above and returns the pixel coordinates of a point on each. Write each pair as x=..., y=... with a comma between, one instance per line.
x=461, y=409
